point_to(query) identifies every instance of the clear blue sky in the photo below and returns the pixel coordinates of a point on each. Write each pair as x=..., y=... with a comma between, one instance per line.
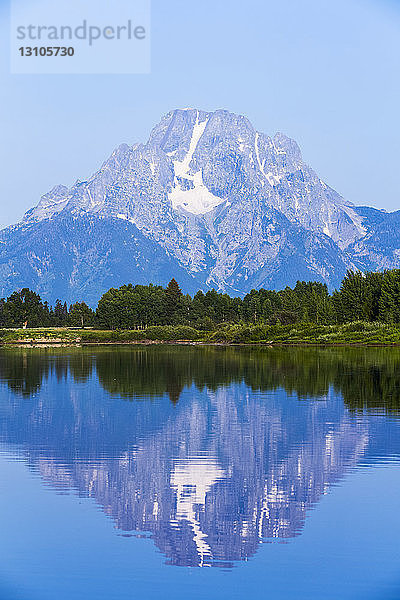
x=325, y=73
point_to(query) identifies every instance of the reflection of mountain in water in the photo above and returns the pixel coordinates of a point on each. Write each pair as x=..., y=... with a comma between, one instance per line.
x=255, y=440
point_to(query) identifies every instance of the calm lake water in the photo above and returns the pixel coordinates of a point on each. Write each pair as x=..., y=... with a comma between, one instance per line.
x=206, y=472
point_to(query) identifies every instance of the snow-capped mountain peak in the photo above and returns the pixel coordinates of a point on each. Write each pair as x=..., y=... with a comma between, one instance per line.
x=231, y=206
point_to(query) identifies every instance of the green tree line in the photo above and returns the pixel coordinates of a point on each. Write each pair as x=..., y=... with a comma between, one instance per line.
x=370, y=297
x=25, y=307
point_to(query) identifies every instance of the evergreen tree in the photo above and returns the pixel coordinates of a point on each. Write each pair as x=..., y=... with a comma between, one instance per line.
x=3, y=319
x=80, y=315
x=60, y=314
x=173, y=303
x=389, y=302
x=353, y=295
x=373, y=292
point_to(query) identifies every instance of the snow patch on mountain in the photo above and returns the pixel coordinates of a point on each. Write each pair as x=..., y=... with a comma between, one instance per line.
x=197, y=199
x=182, y=167
x=189, y=191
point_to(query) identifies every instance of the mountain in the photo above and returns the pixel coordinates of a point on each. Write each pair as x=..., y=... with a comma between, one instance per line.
x=208, y=200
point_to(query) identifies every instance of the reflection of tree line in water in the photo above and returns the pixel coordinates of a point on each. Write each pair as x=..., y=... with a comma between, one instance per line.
x=367, y=378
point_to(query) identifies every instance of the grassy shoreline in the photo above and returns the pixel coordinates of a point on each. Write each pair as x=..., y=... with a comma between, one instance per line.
x=357, y=333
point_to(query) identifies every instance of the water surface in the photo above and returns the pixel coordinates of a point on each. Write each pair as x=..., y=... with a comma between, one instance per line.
x=160, y=472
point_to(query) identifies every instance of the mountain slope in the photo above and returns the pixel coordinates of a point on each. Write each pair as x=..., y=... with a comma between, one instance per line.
x=207, y=199
x=380, y=247
x=75, y=258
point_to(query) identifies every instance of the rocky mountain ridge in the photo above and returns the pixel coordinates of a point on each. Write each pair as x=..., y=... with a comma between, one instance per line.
x=208, y=200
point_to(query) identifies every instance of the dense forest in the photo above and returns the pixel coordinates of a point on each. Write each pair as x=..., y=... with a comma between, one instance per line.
x=370, y=297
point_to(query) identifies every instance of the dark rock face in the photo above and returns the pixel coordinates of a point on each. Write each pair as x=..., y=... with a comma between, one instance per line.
x=208, y=200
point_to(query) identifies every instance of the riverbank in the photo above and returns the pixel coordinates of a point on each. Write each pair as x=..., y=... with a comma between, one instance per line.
x=357, y=333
